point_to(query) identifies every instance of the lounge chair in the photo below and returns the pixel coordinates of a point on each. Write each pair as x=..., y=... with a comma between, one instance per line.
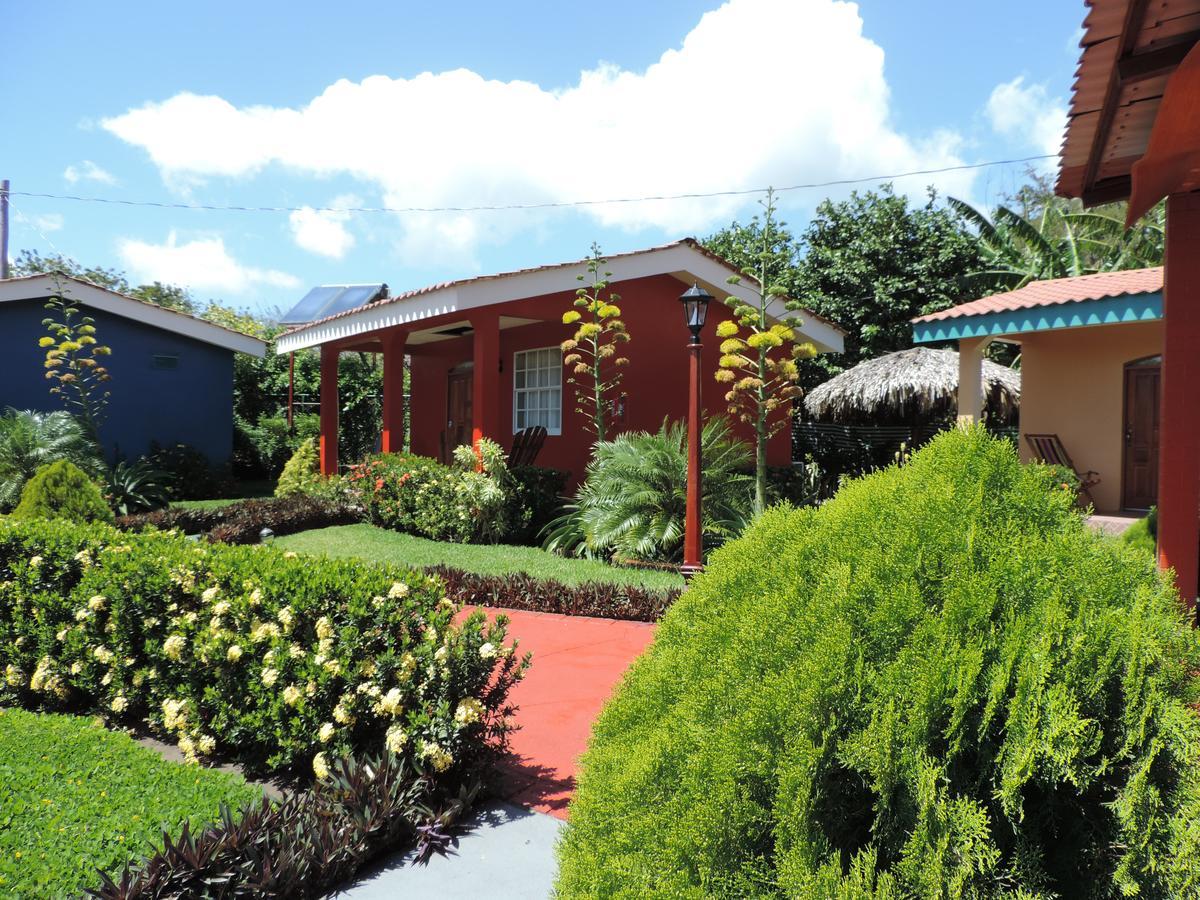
x=527, y=444
x=1049, y=449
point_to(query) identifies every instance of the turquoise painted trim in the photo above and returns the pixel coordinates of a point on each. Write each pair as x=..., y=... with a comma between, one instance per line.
x=1108, y=311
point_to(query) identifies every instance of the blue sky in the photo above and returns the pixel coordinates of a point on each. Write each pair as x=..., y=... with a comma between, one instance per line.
x=464, y=104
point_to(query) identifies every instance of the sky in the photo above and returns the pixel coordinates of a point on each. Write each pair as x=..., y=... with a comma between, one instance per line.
x=321, y=108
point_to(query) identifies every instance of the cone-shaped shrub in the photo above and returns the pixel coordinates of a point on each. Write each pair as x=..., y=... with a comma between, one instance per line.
x=62, y=490
x=939, y=684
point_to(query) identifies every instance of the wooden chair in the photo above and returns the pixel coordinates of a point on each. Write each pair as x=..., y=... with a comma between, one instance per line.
x=1049, y=449
x=527, y=444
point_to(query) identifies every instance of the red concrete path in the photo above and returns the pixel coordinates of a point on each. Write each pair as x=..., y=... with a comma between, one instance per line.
x=577, y=662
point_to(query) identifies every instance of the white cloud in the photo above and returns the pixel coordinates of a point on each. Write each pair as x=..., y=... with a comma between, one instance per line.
x=203, y=264
x=324, y=232
x=759, y=92
x=1028, y=114
x=48, y=222
x=88, y=171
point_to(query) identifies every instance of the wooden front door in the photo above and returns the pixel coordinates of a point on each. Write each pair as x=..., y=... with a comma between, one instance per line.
x=459, y=392
x=1139, y=486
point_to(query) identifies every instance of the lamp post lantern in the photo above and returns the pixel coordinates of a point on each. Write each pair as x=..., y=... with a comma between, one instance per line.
x=695, y=302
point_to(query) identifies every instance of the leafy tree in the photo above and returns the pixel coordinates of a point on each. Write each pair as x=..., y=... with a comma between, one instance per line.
x=1036, y=235
x=759, y=353
x=592, y=351
x=31, y=262
x=870, y=263
x=74, y=362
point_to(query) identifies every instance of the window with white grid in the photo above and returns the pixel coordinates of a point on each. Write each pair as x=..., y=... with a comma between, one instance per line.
x=537, y=389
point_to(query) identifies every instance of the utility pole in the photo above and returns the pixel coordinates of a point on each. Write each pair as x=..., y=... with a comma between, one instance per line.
x=4, y=228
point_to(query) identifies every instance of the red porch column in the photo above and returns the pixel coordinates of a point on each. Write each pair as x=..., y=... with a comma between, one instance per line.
x=393, y=391
x=1179, y=429
x=485, y=398
x=329, y=409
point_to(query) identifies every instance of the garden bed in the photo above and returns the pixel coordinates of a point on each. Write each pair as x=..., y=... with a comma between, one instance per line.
x=77, y=798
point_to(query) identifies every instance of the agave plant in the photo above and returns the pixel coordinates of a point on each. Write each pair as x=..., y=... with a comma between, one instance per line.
x=633, y=501
x=30, y=440
x=138, y=486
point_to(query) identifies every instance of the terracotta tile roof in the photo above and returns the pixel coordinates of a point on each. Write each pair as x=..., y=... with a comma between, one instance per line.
x=1057, y=292
x=443, y=285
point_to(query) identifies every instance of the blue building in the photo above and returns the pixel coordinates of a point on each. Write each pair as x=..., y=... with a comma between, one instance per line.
x=172, y=373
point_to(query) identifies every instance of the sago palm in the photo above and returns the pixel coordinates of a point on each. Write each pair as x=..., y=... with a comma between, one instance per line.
x=633, y=501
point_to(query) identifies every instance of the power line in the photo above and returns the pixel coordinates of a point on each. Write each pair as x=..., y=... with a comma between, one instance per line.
x=523, y=206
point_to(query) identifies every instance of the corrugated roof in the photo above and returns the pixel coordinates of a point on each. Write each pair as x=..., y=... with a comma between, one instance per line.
x=1058, y=291
x=1130, y=48
x=443, y=285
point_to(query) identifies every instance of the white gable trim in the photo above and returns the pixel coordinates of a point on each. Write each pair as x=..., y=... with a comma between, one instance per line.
x=682, y=260
x=96, y=297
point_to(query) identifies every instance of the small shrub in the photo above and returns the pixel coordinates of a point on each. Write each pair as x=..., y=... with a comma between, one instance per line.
x=301, y=474
x=940, y=683
x=540, y=491
x=248, y=652
x=473, y=501
x=62, y=490
x=1143, y=534
x=302, y=847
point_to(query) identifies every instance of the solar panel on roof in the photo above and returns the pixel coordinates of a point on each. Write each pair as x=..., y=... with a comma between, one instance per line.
x=330, y=299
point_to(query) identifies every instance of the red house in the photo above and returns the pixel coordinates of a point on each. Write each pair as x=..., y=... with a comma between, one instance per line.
x=485, y=357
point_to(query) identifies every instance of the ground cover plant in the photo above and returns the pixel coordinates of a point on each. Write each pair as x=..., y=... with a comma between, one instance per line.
x=75, y=797
x=940, y=683
x=372, y=544
x=277, y=662
x=243, y=521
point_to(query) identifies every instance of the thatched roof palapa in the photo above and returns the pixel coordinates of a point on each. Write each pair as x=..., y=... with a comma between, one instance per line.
x=916, y=383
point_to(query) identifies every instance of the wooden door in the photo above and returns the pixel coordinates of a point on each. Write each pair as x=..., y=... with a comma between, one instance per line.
x=1139, y=486
x=459, y=392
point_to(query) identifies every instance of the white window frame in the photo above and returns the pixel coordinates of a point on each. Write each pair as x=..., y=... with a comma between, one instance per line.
x=557, y=354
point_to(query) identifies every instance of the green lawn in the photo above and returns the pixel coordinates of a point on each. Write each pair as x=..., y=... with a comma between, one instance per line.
x=76, y=797
x=205, y=504
x=380, y=545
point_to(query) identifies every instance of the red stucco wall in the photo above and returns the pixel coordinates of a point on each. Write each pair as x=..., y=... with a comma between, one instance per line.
x=655, y=379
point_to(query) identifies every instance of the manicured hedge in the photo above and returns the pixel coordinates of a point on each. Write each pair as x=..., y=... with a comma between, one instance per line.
x=242, y=522
x=248, y=652
x=938, y=684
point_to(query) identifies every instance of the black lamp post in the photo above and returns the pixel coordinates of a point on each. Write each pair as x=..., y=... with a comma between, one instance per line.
x=695, y=302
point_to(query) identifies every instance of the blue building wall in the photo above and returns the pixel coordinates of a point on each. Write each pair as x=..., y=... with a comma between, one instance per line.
x=191, y=403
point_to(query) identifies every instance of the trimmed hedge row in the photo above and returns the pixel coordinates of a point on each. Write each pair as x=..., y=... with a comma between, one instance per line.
x=243, y=522
x=248, y=652
x=592, y=598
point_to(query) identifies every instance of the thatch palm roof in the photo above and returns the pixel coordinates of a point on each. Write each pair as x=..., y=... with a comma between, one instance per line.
x=917, y=383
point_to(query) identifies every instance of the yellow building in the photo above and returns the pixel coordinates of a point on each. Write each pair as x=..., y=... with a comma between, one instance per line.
x=1090, y=372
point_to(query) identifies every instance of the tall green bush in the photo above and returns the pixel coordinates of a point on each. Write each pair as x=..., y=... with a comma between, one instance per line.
x=30, y=440
x=938, y=684
x=62, y=490
x=301, y=472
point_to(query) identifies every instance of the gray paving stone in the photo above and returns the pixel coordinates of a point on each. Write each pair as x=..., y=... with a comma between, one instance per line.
x=508, y=853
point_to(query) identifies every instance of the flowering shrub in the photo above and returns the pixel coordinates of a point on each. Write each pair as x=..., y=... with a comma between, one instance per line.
x=477, y=500
x=246, y=651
